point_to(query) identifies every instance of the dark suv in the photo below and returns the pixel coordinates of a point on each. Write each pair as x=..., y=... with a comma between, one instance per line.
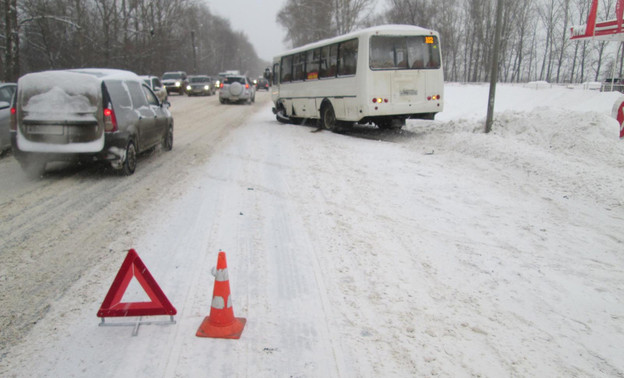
x=262, y=84
x=86, y=114
x=175, y=81
x=201, y=85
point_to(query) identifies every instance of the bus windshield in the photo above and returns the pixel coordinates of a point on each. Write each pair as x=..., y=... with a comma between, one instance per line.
x=398, y=52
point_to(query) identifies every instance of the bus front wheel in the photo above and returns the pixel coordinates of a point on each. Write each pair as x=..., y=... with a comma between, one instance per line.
x=280, y=114
x=328, y=118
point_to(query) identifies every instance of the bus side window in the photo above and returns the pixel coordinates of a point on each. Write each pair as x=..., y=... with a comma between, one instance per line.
x=299, y=67
x=324, y=71
x=333, y=60
x=286, y=69
x=275, y=72
x=312, y=64
x=348, y=57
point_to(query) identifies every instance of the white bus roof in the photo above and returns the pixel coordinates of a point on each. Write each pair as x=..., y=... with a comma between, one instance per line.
x=385, y=29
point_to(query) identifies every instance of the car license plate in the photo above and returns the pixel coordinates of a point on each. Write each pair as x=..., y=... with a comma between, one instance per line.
x=46, y=129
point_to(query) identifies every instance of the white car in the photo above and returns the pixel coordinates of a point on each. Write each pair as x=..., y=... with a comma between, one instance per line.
x=236, y=88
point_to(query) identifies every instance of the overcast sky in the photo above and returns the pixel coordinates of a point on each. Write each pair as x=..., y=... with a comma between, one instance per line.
x=255, y=18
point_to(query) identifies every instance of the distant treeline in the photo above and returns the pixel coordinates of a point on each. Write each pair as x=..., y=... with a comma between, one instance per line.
x=144, y=36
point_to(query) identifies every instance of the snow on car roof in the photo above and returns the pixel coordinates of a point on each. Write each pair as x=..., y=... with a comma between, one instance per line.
x=85, y=81
x=58, y=93
x=91, y=76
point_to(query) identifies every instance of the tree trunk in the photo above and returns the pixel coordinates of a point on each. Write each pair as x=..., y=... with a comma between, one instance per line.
x=12, y=64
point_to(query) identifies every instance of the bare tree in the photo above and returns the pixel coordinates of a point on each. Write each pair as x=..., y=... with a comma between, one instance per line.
x=11, y=49
x=145, y=36
x=348, y=14
x=306, y=21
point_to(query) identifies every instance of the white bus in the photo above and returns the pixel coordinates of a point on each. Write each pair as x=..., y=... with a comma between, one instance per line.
x=382, y=75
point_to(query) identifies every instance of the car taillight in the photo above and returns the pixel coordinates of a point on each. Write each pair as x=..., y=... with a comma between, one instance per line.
x=221, y=86
x=110, y=121
x=246, y=86
x=13, y=119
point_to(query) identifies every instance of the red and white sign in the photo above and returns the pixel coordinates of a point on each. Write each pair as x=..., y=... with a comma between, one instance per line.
x=134, y=267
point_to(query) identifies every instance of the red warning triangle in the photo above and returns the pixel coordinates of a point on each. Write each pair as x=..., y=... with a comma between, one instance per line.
x=134, y=267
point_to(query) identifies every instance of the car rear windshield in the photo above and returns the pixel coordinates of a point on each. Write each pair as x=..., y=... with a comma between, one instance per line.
x=231, y=80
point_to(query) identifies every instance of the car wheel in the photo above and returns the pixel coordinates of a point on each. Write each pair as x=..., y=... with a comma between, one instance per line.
x=130, y=160
x=328, y=118
x=221, y=100
x=167, y=142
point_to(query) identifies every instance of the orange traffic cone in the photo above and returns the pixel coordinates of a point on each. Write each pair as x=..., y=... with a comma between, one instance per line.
x=221, y=322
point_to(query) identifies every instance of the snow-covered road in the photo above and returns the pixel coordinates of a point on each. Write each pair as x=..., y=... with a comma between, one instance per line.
x=436, y=250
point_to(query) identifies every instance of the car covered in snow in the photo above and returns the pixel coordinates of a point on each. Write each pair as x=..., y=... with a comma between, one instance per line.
x=236, y=88
x=86, y=115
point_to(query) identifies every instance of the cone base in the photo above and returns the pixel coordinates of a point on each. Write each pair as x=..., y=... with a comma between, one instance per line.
x=232, y=331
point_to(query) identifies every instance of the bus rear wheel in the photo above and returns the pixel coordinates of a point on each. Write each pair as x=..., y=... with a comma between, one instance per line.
x=328, y=118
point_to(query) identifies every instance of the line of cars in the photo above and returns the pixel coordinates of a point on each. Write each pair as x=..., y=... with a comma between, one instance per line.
x=99, y=114
x=194, y=85
x=203, y=85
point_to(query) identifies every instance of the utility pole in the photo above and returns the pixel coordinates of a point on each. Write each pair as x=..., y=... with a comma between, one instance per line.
x=494, y=68
x=194, y=53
